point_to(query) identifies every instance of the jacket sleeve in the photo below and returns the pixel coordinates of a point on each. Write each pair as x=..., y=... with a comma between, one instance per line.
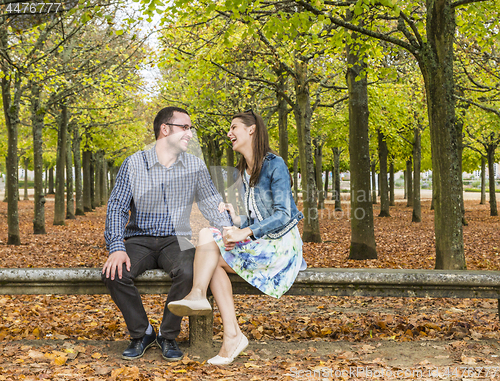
x=281, y=203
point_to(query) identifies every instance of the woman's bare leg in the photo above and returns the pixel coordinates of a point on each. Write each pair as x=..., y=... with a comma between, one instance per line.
x=223, y=294
x=205, y=263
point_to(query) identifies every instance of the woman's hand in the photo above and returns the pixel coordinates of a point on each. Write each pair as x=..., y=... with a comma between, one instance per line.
x=229, y=207
x=232, y=234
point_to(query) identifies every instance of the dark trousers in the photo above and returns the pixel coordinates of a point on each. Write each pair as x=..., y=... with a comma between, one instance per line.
x=148, y=253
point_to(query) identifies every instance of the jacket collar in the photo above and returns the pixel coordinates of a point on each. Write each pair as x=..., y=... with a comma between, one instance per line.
x=270, y=156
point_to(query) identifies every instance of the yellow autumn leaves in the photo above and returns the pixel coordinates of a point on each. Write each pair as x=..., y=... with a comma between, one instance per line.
x=54, y=357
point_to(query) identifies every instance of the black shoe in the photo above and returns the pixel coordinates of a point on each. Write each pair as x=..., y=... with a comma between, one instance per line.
x=137, y=347
x=169, y=349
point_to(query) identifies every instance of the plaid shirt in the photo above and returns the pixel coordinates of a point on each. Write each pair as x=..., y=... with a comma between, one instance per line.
x=159, y=199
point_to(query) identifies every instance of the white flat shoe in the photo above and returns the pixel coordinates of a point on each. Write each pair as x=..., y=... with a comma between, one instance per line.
x=185, y=307
x=219, y=360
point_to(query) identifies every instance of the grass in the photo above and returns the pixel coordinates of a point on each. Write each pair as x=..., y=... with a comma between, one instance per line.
x=479, y=190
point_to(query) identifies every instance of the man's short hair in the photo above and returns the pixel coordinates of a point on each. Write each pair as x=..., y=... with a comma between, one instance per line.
x=164, y=117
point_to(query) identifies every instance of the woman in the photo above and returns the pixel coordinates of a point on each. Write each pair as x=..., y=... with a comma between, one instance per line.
x=265, y=249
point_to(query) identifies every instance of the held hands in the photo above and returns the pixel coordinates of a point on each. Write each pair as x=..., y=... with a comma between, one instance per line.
x=229, y=207
x=114, y=264
x=232, y=234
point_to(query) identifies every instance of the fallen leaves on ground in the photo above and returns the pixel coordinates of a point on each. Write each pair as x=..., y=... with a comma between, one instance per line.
x=72, y=322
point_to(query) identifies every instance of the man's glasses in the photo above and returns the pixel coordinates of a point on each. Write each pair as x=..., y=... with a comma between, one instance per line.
x=185, y=127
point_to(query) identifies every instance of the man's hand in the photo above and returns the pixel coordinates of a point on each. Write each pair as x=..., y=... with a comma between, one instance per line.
x=229, y=207
x=115, y=263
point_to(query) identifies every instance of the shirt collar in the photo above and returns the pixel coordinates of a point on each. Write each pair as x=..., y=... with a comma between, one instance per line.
x=181, y=159
x=152, y=158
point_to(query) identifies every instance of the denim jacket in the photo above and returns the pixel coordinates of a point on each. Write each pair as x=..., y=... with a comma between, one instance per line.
x=272, y=201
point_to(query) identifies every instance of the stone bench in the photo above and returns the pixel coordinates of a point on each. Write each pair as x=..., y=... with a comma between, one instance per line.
x=313, y=281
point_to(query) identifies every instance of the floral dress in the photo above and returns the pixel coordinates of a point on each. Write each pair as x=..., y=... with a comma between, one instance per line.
x=271, y=265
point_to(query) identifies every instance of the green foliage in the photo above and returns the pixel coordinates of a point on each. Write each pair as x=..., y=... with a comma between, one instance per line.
x=222, y=57
x=88, y=61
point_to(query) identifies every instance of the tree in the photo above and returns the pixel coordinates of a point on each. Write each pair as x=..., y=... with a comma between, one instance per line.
x=384, y=186
x=434, y=54
x=11, y=114
x=411, y=127
x=52, y=77
x=297, y=64
x=37, y=116
x=62, y=140
x=482, y=135
x=479, y=89
x=362, y=228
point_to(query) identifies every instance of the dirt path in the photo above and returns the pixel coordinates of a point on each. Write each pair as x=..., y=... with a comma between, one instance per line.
x=272, y=360
x=290, y=338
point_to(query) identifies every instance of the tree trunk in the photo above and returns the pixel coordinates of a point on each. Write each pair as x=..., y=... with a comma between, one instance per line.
x=230, y=156
x=383, y=186
x=109, y=178
x=282, y=119
x=112, y=178
x=405, y=187
x=391, y=185
x=491, y=175
x=231, y=171
x=318, y=153
x=37, y=121
x=303, y=114
x=11, y=114
x=5, y=199
x=436, y=63
x=46, y=183
x=79, y=209
x=18, y=194
x=26, y=161
x=325, y=188
x=93, y=176
x=104, y=181
x=87, y=180
x=206, y=155
x=459, y=124
x=216, y=152
x=51, y=180
x=378, y=182
x=336, y=184
x=433, y=198
x=97, y=178
x=333, y=181
x=296, y=179
x=374, y=183
x=60, y=166
x=409, y=183
x=209, y=158
x=483, y=180
x=70, y=202
x=417, y=209
x=362, y=228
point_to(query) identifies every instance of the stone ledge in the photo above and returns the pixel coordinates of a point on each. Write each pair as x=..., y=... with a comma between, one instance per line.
x=312, y=281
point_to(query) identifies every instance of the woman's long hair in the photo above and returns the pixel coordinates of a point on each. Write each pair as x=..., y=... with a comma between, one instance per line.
x=260, y=144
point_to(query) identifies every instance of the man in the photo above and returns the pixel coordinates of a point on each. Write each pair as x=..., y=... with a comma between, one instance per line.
x=157, y=187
